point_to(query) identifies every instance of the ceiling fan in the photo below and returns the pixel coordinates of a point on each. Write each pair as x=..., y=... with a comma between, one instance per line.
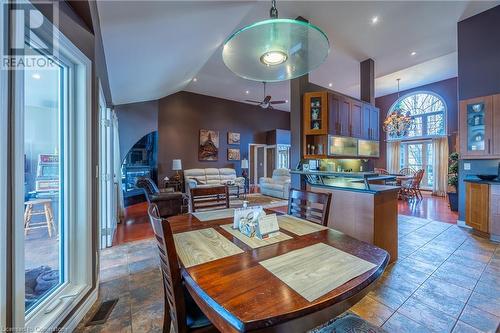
x=266, y=103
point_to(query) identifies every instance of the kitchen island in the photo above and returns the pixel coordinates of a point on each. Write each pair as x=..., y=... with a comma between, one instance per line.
x=359, y=208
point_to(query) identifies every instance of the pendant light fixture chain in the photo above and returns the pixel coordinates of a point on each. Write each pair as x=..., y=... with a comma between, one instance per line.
x=273, y=12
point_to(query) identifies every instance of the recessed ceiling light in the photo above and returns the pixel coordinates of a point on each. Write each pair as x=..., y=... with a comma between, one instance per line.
x=273, y=58
x=286, y=101
x=375, y=20
x=247, y=92
x=330, y=84
x=36, y=76
x=195, y=79
x=413, y=53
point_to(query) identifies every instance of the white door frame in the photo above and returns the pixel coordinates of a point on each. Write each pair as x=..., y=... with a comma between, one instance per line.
x=107, y=218
x=4, y=197
x=77, y=261
x=253, y=173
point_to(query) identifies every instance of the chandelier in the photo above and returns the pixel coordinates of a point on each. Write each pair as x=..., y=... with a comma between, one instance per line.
x=398, y=123
x=275, y=49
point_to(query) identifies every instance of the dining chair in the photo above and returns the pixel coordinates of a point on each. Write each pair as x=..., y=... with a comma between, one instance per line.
x=419, y=176
x=407, y=171
x=411, y=188
x=381, y=171
x=205, y=198
x=180, y=310
x=311, y=206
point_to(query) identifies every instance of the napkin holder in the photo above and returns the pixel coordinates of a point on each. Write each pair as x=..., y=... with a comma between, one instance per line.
x=267, y=227
x=246, y=220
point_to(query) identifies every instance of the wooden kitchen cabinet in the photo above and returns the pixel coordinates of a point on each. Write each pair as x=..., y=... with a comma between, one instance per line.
x=477, y=206
x=371, y=122
x=374, y=123
x=356, y=119
x=477, y=127
x=334, y=119
x=344, y=116
x=496, y=126
x=326, y=113
x=316, y=113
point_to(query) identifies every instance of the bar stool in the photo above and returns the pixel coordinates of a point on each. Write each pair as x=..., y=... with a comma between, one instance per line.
x=30, y=212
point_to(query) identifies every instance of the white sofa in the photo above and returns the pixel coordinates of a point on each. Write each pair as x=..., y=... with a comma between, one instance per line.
x=278, y=186
x=212, y=177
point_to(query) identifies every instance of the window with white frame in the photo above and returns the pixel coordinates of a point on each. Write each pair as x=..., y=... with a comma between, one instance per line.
x=52, y=179
x=427, y=111
x=4, y=148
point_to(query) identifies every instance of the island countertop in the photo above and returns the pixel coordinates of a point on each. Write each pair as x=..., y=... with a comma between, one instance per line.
x=347, y=181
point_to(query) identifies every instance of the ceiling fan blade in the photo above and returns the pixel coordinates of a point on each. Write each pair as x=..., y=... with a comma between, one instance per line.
x=266, y=100
x=252, y=101
x=277, y=102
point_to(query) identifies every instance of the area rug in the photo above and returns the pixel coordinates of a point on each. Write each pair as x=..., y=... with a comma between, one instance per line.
x=257, y=199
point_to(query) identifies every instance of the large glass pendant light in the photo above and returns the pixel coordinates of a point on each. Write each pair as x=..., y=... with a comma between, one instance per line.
x=275, y=49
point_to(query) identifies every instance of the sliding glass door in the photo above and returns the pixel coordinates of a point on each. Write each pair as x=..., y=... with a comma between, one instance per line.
x=46, y=92
x=419, y=155
x=4, y=179
x=50, y=213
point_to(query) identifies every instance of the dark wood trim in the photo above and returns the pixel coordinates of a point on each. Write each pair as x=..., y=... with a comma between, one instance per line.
x=367, y=80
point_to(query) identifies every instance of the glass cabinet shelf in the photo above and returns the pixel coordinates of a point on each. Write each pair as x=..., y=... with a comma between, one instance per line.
x=476, y=127
x=342, y=146
x=368, y=148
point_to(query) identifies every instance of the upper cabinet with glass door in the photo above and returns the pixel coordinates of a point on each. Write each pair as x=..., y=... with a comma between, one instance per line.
x=315, y=113
x=476, y=127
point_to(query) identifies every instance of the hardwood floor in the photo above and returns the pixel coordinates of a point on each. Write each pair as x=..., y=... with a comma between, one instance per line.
x=136, y=224
x=430, y=207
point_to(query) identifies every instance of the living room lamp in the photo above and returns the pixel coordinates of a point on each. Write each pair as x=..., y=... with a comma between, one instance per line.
x=244, y=167
x=177, y=166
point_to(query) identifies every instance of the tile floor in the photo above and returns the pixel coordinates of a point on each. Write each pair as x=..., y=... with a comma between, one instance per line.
x=446, y=280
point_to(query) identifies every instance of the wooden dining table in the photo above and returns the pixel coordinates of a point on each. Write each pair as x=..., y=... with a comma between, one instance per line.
x=239, y=293
x=402, y=178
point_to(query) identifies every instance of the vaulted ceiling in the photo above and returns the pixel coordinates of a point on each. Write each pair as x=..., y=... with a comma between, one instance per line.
x=156, y=48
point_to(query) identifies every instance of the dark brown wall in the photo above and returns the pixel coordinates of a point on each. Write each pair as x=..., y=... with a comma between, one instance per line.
x=135, y=120
x=182, y=115
x=479, y=54
x=479, y=75
x=447, y=89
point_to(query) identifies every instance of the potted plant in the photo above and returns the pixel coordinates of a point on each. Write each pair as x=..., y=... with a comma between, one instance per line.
x=453, y=181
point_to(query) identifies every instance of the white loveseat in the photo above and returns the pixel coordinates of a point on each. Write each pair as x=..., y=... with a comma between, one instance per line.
x=212, y=177
x=278, y=186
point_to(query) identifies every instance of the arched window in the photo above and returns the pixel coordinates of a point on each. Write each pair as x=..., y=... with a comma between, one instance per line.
x=427, y=111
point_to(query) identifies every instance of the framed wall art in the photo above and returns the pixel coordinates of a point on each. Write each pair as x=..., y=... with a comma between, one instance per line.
x=209, y=145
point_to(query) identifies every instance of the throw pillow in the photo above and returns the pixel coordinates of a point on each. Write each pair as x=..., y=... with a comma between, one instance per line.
x=199, y=182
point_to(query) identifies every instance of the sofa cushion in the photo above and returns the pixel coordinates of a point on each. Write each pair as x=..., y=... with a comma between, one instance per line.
x=227, y=174
x=198, y=174
x=281, y=173
x=199, y=182
x=272, y=186
x=212, y=175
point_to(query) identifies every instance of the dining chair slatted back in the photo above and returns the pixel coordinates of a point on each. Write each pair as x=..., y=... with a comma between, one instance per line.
x=311, y=206
x=175, y=306
x=381, y=171
x=205, y=198
x=418, y=181
x=407, y=172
